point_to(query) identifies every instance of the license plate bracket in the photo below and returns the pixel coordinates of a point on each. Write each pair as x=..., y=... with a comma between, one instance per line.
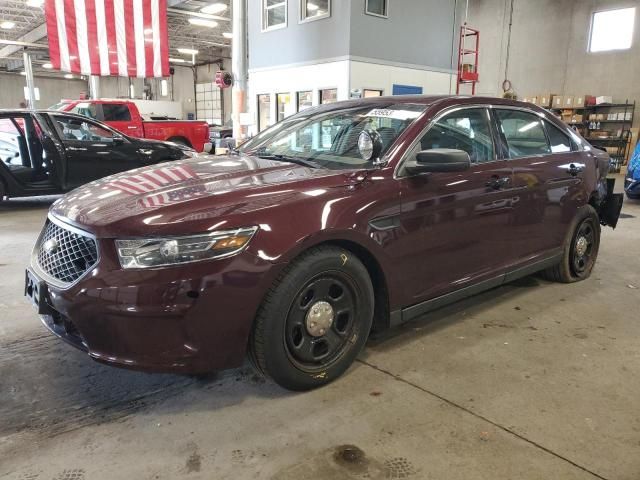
x=36, y=291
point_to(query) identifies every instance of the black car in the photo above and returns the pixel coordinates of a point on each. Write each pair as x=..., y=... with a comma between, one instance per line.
x=47, y=152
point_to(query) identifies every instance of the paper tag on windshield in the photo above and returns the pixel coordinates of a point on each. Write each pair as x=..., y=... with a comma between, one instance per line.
x=396, y=114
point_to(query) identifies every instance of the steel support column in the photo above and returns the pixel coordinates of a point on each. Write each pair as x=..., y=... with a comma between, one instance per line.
x=31, y=93
x=239, y=67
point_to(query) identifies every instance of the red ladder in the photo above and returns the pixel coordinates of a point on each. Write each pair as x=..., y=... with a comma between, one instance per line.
x=468, y=58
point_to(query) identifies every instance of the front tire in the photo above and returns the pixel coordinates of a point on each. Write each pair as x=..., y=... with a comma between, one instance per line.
x=580, y=249
x=314, y=321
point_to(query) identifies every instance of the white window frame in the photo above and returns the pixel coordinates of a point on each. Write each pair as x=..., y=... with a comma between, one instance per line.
x=265, y=17
x=374, y=14
x=591, y=31
x=304, y=19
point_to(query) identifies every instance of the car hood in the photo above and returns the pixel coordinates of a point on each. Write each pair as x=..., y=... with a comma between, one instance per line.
x=193, y=195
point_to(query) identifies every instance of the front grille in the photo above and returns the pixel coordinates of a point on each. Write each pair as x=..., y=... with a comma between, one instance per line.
x=64, y=254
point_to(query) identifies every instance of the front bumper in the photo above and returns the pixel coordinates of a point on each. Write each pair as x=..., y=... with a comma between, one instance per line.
x=632, y=187
x=187, y=319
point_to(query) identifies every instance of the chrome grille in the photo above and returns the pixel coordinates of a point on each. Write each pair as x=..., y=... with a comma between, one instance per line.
x=64, y=254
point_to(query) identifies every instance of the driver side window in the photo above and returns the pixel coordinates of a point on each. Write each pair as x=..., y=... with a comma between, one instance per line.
x=467, y=130
x=75, y=129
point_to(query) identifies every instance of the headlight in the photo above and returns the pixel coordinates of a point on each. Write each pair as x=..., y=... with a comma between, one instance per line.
x=158, y=252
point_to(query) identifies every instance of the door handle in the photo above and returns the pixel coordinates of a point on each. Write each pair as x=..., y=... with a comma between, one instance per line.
x=497, y=182
x=574, y=169
x=132, y=127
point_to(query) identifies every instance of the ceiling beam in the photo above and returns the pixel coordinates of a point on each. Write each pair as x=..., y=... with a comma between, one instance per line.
x=179, y=11
x=31, y=37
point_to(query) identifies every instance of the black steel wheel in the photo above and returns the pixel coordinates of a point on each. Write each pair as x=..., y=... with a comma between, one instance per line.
x=580, y=249
x=315, y=320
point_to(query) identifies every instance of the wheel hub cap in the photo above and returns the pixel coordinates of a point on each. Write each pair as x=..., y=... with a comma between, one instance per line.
x=319, y=318
x=581, y=246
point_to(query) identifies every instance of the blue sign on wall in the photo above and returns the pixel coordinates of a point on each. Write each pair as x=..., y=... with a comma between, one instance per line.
x=406, y=90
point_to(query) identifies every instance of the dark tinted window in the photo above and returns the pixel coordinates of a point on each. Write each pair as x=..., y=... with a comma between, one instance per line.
x=466, y=130
x=116, y=112
x=524, y=133
x=560, y=142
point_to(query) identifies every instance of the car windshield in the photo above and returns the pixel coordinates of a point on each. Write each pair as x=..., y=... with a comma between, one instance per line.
x=329, y=139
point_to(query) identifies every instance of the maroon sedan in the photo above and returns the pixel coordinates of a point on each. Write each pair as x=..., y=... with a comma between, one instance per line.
x=347, y=217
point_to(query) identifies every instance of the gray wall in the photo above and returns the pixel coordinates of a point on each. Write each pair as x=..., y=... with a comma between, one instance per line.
x=297, y=43
x=549, y=49
x=418, y=32
x=51, y=90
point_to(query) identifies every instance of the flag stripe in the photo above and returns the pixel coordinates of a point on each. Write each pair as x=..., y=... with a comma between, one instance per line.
x=82, y=36
x=131, y=38
x=52, y=30
x=92, y=34
x=148, y=38
x=72, y=35
x=138, y=31
x=112, y=44
x=157, y=51
x=164, y=35
x=121, y=37
x=62, y=35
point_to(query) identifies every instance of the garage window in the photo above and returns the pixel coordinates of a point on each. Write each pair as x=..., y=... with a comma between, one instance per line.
x=314, y=9
x=264, y=111
x=305, y=100
x=328, y=95
x=274, y=14
x=283, y=106
x=612, y=30
x=379, y=8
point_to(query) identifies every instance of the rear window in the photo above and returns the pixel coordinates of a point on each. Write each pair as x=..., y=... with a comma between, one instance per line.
x=116, y=112
x=524, y=133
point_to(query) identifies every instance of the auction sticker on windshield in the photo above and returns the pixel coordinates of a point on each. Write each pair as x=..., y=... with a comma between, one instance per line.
x=396, y=114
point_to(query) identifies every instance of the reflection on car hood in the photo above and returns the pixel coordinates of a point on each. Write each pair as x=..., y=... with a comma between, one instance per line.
x=149, y=200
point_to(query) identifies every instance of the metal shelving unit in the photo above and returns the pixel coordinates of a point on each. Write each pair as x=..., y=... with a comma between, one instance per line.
x=618, y=139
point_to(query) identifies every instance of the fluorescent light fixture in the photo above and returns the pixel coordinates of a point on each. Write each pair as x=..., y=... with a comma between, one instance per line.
x=132, y=91
x=7, y=25
x=47, y=66
x=612, y=30
x=68, y=76
x=203, y=22
x=34, y=3
x=214, y=8
x=164, y=88
x=177, y=60
x=23, y=73
x=227, y=35
x=188, y=51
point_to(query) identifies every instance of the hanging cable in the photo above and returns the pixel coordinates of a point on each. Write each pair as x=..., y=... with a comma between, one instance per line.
x=506, y=85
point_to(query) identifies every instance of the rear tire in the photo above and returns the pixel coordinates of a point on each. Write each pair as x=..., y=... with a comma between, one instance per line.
x=314, y=321
x=580, y=249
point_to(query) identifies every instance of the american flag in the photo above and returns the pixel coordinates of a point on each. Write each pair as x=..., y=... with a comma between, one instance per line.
x=126, y=38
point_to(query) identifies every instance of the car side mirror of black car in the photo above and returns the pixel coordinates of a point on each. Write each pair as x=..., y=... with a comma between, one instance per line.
x=118, y=139
x=438, y=160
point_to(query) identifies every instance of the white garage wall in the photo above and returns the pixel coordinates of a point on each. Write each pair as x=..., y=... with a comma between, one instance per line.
x=383, y=77
x=207, y=73
x=297, y=79
x=51, y=90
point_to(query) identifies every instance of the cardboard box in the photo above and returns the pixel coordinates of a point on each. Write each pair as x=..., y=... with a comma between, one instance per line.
x=577, y=119
x=593, y=117
x=567, y=101
x=620, y=116
x=545, y=99
x=534, y=100
x=600, y=117
x=603, y=99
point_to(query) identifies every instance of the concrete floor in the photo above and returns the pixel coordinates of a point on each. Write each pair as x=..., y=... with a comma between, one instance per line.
x=533, y=380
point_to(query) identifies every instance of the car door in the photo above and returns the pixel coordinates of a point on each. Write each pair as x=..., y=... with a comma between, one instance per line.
x=548, y=181
x=455, y=226
x=93, y=150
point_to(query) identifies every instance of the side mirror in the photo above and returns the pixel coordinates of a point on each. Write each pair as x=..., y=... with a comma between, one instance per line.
x=370, y=145
x=440, y=160
x=118, y=139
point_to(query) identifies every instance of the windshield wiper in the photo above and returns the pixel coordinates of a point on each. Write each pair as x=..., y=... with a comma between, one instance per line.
x=289, y=159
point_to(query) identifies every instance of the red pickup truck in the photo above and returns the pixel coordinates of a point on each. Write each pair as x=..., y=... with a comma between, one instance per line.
x=124, y=116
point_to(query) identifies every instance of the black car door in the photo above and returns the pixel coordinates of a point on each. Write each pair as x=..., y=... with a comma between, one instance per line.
x=93, y=150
